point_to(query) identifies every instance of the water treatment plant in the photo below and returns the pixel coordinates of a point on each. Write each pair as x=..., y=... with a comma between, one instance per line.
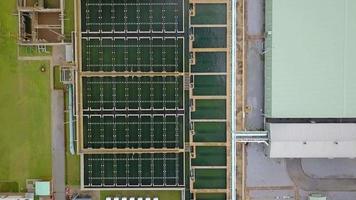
x=178, y=99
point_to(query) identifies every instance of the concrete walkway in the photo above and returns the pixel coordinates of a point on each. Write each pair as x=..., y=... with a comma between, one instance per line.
x=305, y=182
x=58, y=144
x=255, y=64
x=58, y=134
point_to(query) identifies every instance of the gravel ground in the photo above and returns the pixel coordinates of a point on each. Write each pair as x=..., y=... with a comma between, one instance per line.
x=330, y=168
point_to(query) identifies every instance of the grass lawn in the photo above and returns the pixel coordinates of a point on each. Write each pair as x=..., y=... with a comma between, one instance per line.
x=9, y=187
x=72, y=169
x=162, y=195
x=57, y=84
x=72, y=161
x=25, y=109
x=68, y=18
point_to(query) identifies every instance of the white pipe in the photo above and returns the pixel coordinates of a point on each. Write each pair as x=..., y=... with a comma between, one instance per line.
x=71, y=119
x=251, y=135
x=233, y=100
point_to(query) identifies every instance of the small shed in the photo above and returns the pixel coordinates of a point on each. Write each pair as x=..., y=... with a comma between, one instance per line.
x=43, y=188
x=317, y=197
x=69, y=53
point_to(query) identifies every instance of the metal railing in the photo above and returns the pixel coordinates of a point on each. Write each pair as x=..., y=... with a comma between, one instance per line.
x=252, y=137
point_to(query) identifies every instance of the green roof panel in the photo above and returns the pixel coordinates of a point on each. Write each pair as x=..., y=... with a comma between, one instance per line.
x=310, y=59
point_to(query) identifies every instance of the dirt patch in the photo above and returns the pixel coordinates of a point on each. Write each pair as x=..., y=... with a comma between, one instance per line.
x=49, y=35
x=49, y=18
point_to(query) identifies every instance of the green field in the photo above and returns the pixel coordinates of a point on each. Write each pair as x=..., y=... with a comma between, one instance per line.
x=72, y=168
x=68, y=18
x=57, y=84
x=9, y=186
x=72, y=161
x=162, y=195
x=25, y=109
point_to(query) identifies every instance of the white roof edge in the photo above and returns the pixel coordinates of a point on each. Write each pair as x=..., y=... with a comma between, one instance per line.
x=306, y=140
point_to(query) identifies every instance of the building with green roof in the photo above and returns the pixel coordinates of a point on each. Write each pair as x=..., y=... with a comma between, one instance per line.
x=310, y=78
x=310, y=62
x=43, y=188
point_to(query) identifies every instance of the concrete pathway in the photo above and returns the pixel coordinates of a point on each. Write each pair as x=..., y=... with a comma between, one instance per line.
x=58, y=55
x=34, y=58
x=307, y=183
x=58, y=134
x=255, y=64
x=58, y=144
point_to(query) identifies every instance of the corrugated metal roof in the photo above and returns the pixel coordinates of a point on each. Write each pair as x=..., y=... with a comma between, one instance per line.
x=310, y=59
x=317, y=197
x=326, y=140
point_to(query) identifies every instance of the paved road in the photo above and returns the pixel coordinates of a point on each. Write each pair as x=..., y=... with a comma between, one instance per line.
x=305, y=182
x=58, y=145
x=263, y=171
x=255, y=64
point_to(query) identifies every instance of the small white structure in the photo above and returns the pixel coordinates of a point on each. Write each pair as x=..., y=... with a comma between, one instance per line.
x=124, y=198
x=148, y=198
x=108, y=198
x=132, y=198
x=140, y=198
x=116, y=198
x=317, y=197
x=155, y=198
x=312, y=140
x=69, y=53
